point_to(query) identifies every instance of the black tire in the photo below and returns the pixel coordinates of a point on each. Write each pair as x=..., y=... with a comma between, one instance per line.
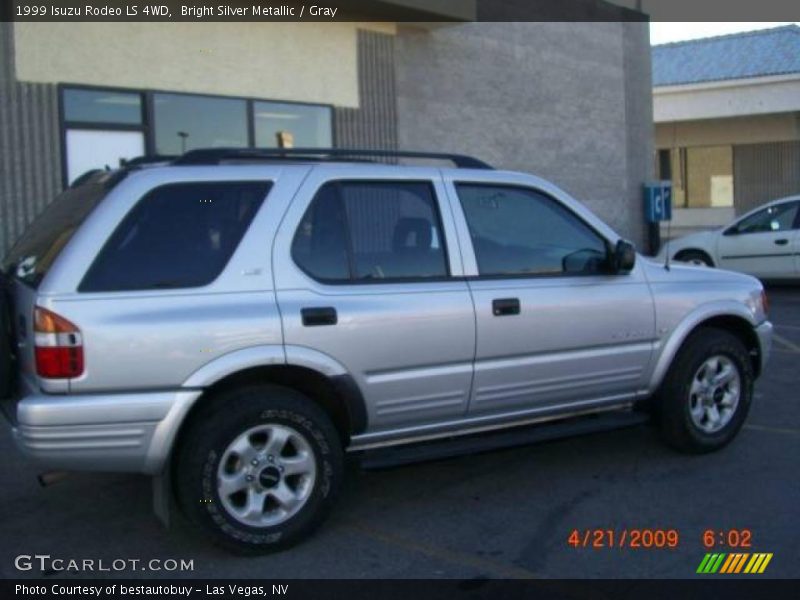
x=673, y=401
x=220, y=422
x=695, y=257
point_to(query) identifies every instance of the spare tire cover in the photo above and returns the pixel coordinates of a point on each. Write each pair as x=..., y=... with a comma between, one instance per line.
x=5, y=341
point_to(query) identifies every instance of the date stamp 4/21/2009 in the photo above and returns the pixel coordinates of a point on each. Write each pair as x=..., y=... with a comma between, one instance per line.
x=633, y=538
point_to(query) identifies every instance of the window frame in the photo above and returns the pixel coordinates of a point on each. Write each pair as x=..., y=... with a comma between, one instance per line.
x=549, y=197
x=270, y=185
x=147, y=126
x=338, y=183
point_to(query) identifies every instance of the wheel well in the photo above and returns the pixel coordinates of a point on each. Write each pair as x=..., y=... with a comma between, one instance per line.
x=742, y=330
x=328, y=393
x=686, y=251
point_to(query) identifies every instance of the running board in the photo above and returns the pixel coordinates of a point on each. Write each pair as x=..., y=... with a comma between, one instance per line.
x=395, y=456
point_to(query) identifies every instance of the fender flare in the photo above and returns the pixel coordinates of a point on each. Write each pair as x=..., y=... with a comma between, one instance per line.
x=702, y=313
x=166, y=432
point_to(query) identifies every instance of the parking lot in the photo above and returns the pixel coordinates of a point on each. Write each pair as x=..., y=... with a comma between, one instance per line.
x=502, y=514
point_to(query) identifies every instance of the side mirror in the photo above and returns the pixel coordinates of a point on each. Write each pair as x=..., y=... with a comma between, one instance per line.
x=624, y=257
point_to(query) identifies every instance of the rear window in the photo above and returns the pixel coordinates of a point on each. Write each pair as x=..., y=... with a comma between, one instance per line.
x=37, y=249
x=177, y=236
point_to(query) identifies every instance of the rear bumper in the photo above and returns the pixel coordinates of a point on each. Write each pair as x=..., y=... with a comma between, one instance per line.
x=101, y=432
x=764, y=333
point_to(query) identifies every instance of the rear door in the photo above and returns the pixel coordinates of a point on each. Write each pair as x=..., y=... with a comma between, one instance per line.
x=763, y=244
x=556, y=330
x=365, y=266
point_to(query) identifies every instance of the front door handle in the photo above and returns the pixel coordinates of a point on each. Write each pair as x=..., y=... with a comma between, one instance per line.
x=781, y=242
x=319, y=316
x=503, y=307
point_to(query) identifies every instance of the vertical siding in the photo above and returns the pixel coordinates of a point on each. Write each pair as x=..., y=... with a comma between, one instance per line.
x=30, y=154
x=764, y=172
x=374, y=124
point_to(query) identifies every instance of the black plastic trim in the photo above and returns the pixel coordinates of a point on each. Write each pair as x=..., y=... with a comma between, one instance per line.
x=347, y=388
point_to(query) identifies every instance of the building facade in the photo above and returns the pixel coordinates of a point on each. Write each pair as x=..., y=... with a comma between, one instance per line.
x=727, y=115
x=568, y=101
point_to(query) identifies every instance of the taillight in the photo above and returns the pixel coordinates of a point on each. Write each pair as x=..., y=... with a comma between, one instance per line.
x=765, y=302
x=58, y=347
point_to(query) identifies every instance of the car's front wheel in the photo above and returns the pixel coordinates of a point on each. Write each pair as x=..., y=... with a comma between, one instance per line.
x=259, y=468
x=706, y=394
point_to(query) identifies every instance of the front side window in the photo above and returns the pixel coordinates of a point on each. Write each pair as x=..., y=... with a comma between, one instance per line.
x=371, y=231
x=774, y=218
x=519, y=231
x=178, y=236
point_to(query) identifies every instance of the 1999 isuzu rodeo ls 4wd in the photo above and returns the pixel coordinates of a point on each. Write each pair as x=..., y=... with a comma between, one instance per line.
x=237, y=320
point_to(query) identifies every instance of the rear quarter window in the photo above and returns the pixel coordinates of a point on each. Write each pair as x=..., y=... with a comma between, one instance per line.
x=179, y=235
x=32, y=256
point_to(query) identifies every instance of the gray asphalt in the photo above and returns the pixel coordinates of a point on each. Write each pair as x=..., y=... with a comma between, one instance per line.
x=501, y=514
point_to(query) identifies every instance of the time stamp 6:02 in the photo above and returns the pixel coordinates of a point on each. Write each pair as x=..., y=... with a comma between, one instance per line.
x=655, y=538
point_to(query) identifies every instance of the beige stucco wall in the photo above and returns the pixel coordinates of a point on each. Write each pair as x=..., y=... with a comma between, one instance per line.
x=307, y=62
x=740, y=130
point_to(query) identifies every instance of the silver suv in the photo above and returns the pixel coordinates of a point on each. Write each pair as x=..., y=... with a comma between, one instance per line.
x=235, y=321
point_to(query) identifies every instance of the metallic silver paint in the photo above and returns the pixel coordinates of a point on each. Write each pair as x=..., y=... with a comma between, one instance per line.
x=430, y=358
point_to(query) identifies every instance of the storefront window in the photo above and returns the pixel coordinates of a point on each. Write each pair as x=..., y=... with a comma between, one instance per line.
x=709, y=177
x=702, y=177
x=94, y=106
x=183, y=122
x=307, y=126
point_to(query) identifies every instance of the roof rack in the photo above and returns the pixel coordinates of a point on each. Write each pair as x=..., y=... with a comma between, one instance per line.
x=148, y=159
x=211, y=156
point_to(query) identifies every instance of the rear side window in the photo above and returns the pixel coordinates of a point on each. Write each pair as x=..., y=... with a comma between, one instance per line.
x=177, y=236
x=37, y=249
x=371, y=231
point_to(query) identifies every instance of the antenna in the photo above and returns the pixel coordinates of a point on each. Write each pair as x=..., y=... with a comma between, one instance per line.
x=666, y=245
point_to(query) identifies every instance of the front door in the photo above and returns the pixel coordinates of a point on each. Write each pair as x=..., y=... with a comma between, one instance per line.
x=556, y=331
x=365, y=274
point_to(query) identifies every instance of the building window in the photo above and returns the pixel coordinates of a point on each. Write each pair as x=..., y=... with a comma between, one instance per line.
x=309, y=126
x=184, y=122
x=709, y=177
x=96, y=106
x=102, y=128
x=702, y=177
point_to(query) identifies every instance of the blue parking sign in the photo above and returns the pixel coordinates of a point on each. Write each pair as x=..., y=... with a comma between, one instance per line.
x=658, y=201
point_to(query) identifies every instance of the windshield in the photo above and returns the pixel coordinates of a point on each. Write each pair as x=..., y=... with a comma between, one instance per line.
x=34, y=253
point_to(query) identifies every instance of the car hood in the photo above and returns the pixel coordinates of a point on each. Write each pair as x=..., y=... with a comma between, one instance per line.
x=656, y=273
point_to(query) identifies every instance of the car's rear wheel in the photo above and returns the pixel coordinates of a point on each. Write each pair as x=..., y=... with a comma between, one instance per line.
x=706, y=394
x=259, y=468
x=695, y=257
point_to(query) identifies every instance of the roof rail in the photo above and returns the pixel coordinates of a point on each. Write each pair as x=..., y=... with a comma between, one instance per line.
x=207, y=156
x=148, y=159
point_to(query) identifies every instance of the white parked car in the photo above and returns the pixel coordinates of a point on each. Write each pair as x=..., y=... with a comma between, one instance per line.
x=765, y=242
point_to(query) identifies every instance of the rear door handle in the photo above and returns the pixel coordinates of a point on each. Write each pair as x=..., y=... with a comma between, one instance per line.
x=318, y=316
x=503, y=307
x=781, y=242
